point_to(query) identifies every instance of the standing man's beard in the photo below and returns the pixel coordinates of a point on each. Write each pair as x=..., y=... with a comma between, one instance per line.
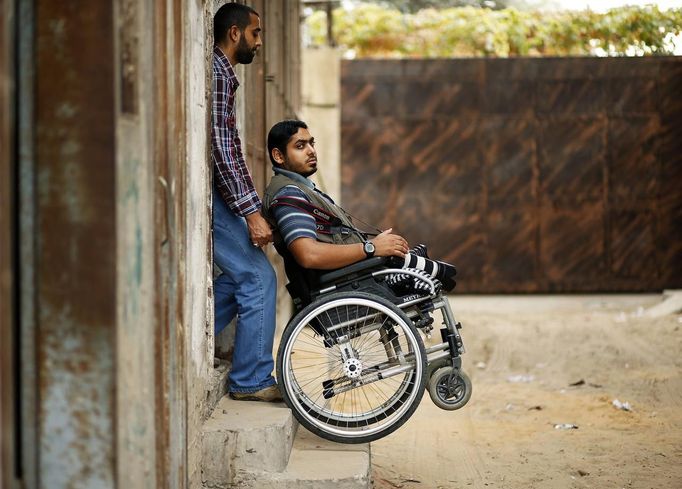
x=244, y=54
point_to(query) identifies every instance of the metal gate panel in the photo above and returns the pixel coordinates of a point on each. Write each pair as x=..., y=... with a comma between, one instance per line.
x=532, y=175
x=76, y=240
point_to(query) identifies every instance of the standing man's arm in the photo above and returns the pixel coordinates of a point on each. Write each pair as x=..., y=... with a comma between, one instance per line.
x=232, y=176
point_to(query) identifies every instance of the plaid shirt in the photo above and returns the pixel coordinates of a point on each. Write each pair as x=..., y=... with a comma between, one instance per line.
x=231, y=175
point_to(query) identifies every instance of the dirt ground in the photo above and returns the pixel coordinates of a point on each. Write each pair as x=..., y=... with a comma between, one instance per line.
x=538, y=362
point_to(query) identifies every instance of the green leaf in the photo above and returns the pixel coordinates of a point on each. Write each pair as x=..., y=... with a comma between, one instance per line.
x=372, y=30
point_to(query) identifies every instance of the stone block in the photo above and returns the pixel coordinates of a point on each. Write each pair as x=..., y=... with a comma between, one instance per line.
x=245, y=436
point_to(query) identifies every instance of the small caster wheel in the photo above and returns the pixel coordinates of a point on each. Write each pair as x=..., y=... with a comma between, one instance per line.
x=449, y=389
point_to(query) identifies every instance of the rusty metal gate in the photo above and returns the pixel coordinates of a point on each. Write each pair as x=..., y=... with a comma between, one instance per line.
x=532, y=175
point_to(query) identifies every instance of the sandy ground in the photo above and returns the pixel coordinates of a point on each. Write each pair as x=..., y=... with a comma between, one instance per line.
x=537, y=362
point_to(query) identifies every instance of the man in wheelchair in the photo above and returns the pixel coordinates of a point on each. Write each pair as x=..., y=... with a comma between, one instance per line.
x=351, y=364
x=318, y=234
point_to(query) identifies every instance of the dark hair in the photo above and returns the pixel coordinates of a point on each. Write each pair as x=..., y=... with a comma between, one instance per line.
x=228, y=15
x=281, y=133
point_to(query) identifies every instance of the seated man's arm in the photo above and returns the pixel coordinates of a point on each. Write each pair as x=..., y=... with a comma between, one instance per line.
x=299, y=233
x=310, y=253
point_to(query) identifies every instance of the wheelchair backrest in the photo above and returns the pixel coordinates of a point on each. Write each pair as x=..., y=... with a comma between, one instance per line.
x=302, y=282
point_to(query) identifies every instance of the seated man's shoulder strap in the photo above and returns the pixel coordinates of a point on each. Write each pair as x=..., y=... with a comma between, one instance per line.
x=327, y=222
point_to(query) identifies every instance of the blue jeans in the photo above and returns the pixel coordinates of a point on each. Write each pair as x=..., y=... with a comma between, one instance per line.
x=247, y=288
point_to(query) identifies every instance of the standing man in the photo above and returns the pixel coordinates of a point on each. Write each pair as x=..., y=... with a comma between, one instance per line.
x=248, y=284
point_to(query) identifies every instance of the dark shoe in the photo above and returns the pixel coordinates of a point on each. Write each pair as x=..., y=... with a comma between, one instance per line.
x=269, y=394
x=446, y=274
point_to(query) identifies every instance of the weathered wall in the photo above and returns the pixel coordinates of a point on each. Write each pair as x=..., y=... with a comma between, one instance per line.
x=111, y=187
x=272, y=92
x=529, y=174
x=75, y=208
x=102, y=382
x=134, y=257
x=87, y=213
x=196, y=205
x=8, y=280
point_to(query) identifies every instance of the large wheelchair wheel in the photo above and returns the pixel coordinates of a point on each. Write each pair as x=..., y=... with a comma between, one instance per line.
x=352, y=367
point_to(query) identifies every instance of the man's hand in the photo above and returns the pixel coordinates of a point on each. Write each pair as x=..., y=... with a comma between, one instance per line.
x=259, y=229
x=388, y=244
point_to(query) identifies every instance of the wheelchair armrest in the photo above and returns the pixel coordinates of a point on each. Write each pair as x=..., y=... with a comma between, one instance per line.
x=356, y=267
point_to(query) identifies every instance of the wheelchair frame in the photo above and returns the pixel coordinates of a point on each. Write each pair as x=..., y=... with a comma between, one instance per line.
x=404, y=318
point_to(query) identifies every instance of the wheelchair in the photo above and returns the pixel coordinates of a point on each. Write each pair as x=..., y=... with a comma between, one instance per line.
x=352, y=365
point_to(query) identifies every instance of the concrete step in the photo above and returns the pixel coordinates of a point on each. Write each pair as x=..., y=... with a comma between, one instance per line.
x=242, y=436
x=305, y=440
x=315, y=464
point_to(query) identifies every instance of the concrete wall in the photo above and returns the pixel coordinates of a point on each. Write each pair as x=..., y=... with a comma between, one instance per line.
x=197, y=266
x=321, y=110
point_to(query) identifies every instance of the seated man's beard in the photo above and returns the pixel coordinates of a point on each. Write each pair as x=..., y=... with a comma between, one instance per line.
x=309, y=172
x=244, y=53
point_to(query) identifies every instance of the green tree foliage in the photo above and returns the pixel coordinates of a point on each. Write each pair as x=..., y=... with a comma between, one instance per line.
x=414, y=6
x=371, y=30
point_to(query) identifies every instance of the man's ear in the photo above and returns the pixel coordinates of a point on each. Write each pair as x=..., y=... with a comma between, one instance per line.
x=234, y=33
x=278, y=156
